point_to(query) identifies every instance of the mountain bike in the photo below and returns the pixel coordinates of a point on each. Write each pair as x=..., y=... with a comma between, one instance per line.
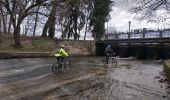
x=59, y=64
x=111, y=60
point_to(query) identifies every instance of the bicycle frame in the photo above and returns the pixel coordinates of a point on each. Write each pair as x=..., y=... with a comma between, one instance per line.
x=109, y=60
x=59, y=64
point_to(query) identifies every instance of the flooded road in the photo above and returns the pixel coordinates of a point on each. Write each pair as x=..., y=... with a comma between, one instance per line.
x=32, y=79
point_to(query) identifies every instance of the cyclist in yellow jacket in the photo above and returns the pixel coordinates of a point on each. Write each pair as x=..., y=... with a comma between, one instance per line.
x=61, y=54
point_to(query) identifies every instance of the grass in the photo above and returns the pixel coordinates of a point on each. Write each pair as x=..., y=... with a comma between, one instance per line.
x=167, y=69
x=29, y=44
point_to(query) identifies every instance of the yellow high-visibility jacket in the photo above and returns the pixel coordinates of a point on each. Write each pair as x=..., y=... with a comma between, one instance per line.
x=62, y=53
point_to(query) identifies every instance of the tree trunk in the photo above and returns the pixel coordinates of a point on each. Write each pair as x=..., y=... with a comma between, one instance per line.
x=69, y=34
x=79, y=35
x=75, y=26
x=51, y=30
x=0, y=31
x=85, y=31
x=86, y=25
x=17, y=37
x=9, y=26
x=52, y=19
x=36, y=20
x=26, y=29
x=3, y=21
x=45, y=29
x=0, y=26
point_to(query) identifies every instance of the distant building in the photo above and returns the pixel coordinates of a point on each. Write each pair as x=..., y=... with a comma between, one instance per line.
x=136, y=31
x=144, y=30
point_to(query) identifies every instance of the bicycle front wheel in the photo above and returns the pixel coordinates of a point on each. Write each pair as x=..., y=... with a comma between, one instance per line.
x=103, y=60
x=55, y=68
x=67, y=64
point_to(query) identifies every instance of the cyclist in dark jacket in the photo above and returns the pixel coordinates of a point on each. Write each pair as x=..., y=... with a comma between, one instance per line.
x=108, y=53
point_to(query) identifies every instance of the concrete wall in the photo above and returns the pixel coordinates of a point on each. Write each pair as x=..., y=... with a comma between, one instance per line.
x=8, y=54
x=167, y=69
x=78, y=47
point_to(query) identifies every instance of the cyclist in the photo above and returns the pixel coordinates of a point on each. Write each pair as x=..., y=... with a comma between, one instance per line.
x=61, y=54
x=108, y=53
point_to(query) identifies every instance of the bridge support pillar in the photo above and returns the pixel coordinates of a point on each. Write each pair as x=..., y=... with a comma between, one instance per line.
x=141, y=54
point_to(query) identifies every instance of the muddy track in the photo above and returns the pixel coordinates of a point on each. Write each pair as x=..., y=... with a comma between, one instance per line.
x=32, y=79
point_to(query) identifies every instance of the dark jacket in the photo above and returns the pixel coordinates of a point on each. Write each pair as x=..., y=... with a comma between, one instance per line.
x=108, y=50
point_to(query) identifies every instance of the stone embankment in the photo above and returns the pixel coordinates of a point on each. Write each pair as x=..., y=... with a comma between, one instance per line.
x=167, y=69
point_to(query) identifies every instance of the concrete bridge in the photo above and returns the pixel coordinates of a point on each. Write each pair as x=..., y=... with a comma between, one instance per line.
x=156, y=47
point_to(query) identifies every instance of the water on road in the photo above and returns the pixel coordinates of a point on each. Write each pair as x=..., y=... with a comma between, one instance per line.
x=87, y=79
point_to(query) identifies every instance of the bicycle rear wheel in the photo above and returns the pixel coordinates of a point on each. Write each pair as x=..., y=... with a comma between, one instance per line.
x=114, y=62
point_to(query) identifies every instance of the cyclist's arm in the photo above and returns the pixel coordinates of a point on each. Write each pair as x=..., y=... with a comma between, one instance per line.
x=64, y=53
x=57, y=55
x=112, y=52
x=105, y=51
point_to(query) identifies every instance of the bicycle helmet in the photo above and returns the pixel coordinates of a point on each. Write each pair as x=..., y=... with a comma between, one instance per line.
x=108, y=46
x=62, y=46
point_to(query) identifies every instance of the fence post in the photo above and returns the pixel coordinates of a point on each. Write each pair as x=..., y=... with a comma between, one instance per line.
x=160, y=34
x=116, y=36
x=129, y=35
x=143, y=32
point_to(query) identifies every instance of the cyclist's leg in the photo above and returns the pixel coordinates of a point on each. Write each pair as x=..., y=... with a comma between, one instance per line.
x=62, y=61
x=59, y=59
x=62, y=58
x=65, y=62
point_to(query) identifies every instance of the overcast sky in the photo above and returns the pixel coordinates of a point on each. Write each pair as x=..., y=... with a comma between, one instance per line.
x=120, y=16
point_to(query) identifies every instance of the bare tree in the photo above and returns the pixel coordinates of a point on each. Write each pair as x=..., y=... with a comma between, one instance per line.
x=24, y=8
x=151, y=9
x=89, y=11
x=50, y=23
x=72, y=16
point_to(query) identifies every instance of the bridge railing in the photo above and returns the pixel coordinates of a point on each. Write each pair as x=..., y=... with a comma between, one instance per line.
x=139, y=35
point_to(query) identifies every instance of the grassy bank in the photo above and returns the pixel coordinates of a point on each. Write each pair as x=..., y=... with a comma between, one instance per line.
x=29, y=44
x=167, y=69
x=41, y=47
